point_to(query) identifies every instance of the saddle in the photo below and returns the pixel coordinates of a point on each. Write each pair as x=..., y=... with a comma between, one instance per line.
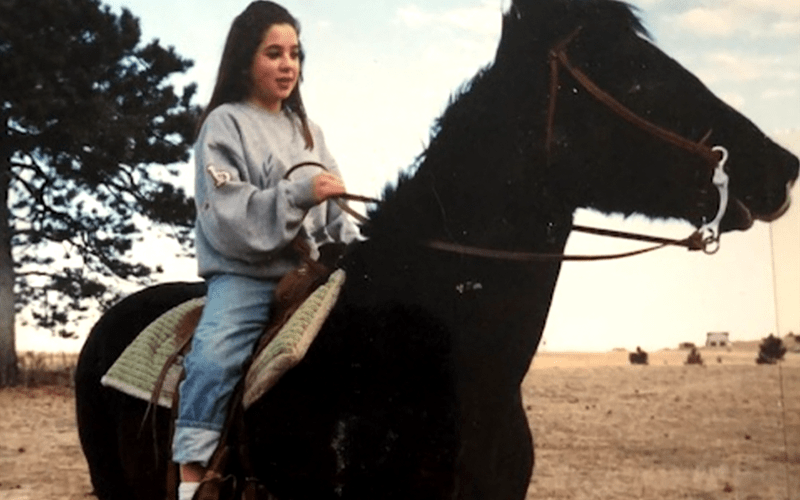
x=151, y=366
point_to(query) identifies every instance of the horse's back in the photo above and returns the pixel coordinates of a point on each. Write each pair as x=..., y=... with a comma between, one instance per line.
x=119, y=325
x=106, y=416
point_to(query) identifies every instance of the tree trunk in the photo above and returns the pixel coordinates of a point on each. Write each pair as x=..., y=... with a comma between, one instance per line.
x=8, y=352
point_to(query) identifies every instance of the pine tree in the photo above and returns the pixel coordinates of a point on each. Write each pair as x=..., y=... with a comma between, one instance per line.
x=91, y=135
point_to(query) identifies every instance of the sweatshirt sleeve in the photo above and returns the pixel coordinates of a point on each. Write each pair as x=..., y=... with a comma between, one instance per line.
x=238, y=219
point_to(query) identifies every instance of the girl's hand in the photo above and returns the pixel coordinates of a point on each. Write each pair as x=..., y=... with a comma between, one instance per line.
x=327, y=185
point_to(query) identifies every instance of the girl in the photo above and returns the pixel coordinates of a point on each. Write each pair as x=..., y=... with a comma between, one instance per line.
x=254, y=129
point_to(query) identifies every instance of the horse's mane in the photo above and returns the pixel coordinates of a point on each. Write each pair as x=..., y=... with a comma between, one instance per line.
x=508, y=94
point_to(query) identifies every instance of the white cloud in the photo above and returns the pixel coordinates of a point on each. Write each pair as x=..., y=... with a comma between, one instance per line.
x=787, y=27
x=414, y=17
x=645, y=4
x=789, y=75
x=484, y=19
x=783, y=7
x=790, y=139
x=728, y=66
x=784, y=93
x=737, y=67
x=734, y=99
x=753, y=18
x=709, y=22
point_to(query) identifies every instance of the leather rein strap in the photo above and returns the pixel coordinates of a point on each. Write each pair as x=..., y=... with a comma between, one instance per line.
x=694, y=242
x=340, y=200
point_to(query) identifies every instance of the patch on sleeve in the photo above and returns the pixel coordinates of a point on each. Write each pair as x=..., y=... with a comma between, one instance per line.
x=220, y=177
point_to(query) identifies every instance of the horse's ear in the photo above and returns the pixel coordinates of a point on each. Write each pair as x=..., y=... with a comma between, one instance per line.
x=546, y=18
x=526, y=25
x=526, y=8
x=523, y=8
x=514, y=12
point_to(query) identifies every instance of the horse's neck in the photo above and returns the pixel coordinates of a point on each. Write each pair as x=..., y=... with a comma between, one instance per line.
x=461, y=193
x=487, y=305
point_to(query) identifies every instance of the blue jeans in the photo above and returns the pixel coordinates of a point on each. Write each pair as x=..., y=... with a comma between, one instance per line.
x=237, y=309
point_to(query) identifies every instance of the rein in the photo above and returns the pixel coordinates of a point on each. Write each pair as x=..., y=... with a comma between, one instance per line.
x=706, y=238
x=340, y=200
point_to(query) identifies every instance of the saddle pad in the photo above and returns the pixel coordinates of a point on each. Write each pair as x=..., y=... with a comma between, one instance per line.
x=137, y=369
x=292, y=341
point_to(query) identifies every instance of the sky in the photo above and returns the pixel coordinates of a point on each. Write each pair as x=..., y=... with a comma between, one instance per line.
x=379, y=73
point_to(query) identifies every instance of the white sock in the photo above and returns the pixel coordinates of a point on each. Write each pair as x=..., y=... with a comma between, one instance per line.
x=186, y=490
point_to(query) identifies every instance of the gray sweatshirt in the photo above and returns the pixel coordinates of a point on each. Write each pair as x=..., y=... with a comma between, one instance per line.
x=247, y=213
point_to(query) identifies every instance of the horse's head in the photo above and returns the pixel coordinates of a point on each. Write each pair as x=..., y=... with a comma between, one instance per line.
x=511, y=158
x=598, y=158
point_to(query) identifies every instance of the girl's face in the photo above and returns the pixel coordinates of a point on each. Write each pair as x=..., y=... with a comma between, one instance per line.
x=275, y=69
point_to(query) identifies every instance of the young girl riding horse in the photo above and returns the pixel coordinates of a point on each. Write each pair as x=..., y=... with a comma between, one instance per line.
x=253, y=131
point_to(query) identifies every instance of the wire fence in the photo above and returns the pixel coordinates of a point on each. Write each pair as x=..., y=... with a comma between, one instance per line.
x=40, y=369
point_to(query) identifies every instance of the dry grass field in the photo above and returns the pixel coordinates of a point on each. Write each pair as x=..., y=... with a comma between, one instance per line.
x=608, y=430
x=603, y=429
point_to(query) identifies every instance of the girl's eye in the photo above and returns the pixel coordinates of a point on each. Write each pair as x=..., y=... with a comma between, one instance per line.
x=278, y=53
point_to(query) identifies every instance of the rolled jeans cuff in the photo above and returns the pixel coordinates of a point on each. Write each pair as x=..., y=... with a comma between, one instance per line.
x=194, y=445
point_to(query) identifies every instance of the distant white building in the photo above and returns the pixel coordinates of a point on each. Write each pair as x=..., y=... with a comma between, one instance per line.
x=792, y=342
x=718, y=339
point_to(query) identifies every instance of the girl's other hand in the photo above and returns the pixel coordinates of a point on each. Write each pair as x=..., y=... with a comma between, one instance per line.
x=327, y=185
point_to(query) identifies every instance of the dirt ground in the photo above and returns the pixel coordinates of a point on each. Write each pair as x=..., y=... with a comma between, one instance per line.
x=603, y=430
x=40, y=458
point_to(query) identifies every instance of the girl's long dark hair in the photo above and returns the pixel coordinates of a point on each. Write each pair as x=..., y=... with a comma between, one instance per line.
x=234, y=80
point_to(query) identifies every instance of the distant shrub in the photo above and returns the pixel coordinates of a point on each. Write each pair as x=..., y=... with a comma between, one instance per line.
x=686, y=345
x=694, y=357
x=770, y=351
x=638, y=358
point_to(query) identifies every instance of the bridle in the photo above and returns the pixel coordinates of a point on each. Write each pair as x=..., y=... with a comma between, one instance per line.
x=706, y=238
x=559, y=57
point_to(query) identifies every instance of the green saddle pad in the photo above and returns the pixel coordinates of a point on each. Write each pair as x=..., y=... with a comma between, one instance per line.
x=137, y=369
x=292, y=341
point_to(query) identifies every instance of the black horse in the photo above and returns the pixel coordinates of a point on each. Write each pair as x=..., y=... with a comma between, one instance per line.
x=412, y=389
